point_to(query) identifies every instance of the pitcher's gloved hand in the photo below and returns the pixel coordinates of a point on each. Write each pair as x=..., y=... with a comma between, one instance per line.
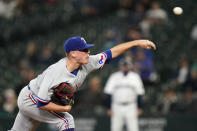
x=63, y=95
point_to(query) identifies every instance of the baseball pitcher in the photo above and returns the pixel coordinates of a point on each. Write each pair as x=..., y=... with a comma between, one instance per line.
x=49, y=97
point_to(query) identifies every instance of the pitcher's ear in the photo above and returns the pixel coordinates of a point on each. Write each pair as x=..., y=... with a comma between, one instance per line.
x=72, y=54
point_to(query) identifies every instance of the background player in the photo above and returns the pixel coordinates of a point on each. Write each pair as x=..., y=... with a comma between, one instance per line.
x=124, y=89
x=34, y=99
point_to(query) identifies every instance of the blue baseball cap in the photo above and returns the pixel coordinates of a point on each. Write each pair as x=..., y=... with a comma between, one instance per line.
x=76, y=43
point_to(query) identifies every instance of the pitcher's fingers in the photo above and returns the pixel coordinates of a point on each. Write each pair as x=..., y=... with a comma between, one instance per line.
x=153, y=45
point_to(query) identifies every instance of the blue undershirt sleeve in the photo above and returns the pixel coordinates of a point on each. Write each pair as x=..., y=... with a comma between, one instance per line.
x=139, y=101
x=108, y=101
x=40, y=104
x=109, y=56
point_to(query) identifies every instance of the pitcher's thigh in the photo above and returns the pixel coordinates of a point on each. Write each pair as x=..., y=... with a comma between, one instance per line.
x=60, y=120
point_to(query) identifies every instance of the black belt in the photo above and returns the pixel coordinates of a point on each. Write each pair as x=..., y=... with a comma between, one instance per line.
x=124, y=103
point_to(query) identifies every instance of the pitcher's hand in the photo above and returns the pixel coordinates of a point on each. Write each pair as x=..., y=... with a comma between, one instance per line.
x=146, y=44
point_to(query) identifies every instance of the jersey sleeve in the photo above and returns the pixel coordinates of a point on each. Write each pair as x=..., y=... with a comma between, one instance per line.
x=109, y=87
x=43, y=97
x=98, y=61
x=139, y=86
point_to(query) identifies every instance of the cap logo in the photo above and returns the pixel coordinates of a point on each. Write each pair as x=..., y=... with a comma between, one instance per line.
x=83, y=39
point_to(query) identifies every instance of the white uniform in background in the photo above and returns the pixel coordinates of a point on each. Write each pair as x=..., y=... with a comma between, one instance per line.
x=124, y=90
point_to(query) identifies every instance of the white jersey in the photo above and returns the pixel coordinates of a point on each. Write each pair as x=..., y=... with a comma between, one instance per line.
x=124, y=89
x=42, y=86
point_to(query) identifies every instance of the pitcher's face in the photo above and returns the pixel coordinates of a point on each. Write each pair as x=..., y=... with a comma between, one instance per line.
x=83, y=56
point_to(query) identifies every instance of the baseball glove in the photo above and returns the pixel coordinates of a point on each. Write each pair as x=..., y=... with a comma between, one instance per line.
x=63, y=95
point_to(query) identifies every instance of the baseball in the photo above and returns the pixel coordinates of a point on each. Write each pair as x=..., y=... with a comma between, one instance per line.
x=177, y=10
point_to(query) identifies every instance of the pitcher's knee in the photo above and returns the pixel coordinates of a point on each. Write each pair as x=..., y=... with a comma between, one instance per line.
x=66, y=122
x=66, y=125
